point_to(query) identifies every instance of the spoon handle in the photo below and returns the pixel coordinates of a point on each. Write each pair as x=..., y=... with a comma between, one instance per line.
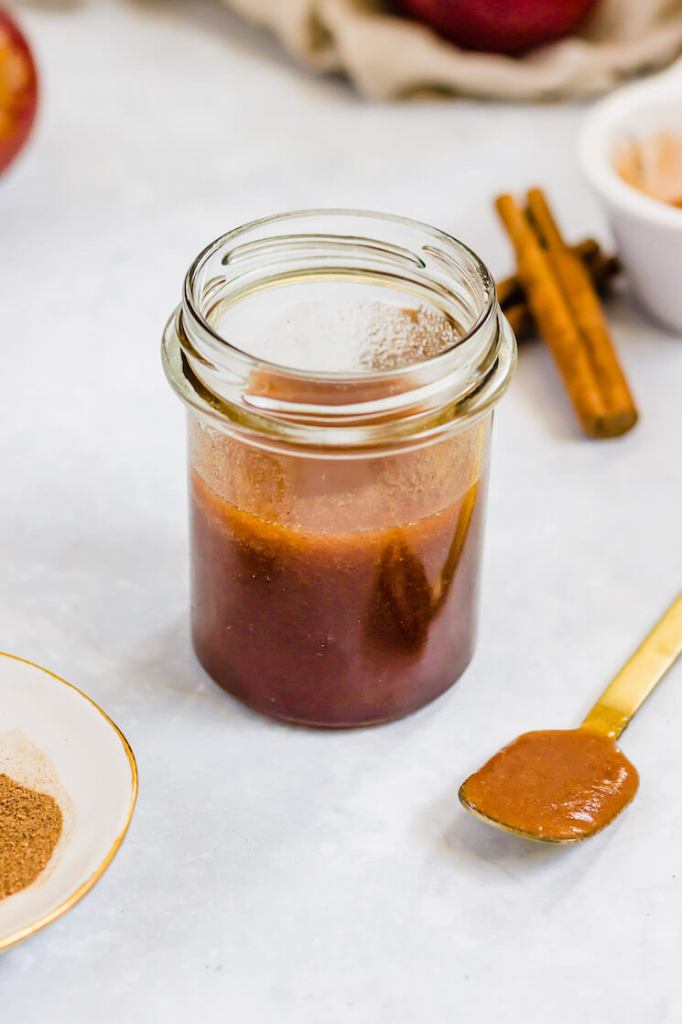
x=638, y=676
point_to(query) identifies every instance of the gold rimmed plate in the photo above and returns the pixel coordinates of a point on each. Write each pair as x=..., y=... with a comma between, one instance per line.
x=55, y=739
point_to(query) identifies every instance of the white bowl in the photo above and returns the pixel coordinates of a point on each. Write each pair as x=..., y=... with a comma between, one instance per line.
x=648, y=232
x=56, y=740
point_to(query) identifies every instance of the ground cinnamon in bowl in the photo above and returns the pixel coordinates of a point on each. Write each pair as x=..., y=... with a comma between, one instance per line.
x=653, y=165
x=30, y=826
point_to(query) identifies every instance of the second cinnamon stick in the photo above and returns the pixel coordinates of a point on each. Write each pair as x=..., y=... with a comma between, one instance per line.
x=554, y=319
x=586, y=309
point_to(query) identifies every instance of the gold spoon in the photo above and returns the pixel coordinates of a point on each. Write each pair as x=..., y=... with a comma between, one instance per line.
x=563, y=785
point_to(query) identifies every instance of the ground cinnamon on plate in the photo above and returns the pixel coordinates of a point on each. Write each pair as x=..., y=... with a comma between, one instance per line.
x=30, y=827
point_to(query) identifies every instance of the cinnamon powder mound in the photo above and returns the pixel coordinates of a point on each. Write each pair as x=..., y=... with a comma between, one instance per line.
x=654, y=166
x=30, y=826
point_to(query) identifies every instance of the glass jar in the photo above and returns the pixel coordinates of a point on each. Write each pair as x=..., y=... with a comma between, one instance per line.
x=339, y=371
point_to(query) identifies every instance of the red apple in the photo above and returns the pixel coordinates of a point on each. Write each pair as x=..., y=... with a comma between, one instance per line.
x=499, y=26
x=18, y=89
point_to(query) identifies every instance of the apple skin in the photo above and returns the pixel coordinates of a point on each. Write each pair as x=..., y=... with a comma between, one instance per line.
x=18, y=89
x=499, y=26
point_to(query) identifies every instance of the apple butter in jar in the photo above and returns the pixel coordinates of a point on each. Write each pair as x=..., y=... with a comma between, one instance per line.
x=340, y=371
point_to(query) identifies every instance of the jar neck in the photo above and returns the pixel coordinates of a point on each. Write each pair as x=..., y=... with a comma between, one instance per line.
x=352, y=406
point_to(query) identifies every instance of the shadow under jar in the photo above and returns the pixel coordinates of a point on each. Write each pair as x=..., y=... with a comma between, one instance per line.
x=340, y=370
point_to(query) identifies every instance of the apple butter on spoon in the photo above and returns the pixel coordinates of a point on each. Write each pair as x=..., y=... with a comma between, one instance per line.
x=563, y=785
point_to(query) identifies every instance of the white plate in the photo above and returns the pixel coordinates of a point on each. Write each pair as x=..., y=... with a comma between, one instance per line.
x=53, y=737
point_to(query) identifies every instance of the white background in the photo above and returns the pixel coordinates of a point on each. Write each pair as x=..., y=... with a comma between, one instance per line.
x=274, y=875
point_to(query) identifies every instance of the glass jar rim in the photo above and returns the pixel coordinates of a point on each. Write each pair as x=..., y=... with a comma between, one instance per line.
x=190, y=300
x=367, y=406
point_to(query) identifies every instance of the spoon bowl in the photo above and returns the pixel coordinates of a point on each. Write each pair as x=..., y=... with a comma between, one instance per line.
x=555, y=786
x=564, y=785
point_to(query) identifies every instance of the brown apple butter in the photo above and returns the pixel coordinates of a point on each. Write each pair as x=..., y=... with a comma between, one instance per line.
x=559, y=784
x=334, y=628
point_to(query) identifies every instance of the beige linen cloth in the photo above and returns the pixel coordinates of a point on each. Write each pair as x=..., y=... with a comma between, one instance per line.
x=388, y=57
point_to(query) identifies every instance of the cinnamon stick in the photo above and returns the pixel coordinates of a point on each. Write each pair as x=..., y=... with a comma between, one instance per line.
x=554, y=319
x=585, y=307
x=510, y=290
x=602, y=270
x=520, y=320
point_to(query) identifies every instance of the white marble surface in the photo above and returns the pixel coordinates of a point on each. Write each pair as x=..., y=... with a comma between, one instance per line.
x=275, y=875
